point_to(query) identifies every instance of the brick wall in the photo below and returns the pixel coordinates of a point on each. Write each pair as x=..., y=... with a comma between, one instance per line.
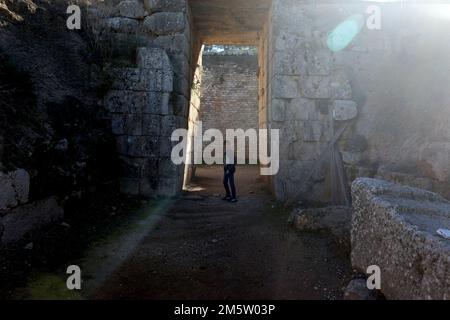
x=229, y=97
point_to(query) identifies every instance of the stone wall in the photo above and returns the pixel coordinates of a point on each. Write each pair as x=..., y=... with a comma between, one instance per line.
x=383, y=97
x=394, y=80
x=303, y=88
x=152, y=54
x=229, y=97
x=395, y=228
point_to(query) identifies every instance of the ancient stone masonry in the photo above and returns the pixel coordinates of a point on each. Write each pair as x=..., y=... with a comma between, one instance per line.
x=395, y=130
x=395, y=228
x=229, y=91
x=140, y=111
x=149, y=99
x=307, y=93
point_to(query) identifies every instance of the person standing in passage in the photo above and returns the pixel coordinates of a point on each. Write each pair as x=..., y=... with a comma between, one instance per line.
x=229, y=170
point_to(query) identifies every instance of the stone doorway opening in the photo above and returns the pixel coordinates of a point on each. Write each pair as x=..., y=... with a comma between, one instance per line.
x=229, y=84
x=226, y=93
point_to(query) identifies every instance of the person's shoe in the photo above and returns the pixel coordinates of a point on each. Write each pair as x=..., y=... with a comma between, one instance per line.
x=227, y=198
x=233, y=200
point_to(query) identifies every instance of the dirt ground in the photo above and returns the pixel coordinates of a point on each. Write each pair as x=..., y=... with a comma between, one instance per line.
x=207, y=248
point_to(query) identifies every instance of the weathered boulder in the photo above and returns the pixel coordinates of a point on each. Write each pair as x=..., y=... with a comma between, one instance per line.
x=335, y=220
x=14, y=188
x=394, y=227
x=26, y=221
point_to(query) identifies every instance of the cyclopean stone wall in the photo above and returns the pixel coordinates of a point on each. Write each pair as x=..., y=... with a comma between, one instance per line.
x=388, y=86
x=304, y=87
x=383, y=97
x=151, y=52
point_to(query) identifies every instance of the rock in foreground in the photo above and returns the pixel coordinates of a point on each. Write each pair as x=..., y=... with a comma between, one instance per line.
x=335, y=220
x=395, y=227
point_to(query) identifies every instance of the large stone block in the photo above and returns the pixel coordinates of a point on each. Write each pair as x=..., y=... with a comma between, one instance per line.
x=151, y=125
x=335, y=220
x=165, y=5
x=124, y=45
x=173, y=44
x=344, y=110
x=128, y=124
x=325, y=87
x=278, y=108
x=153, y=58
x=148, y=187
x=285, y=87
x=131, y=167
x=171, y=123
x=127, y=101
x=169, y=186
x=14, y=188
x=394, y=227
x=316, y=131
x=164, y=23
x=26, y=221
x=302, y=109
x=180, y=65
x=122, y=25
x=132, y=9
x=180, y=105
x=315, y=87
x=135, y=79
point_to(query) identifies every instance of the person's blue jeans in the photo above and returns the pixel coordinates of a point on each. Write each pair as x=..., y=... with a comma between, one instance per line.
x=228, y=183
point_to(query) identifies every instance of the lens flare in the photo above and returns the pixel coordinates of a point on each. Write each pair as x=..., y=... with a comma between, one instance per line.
x=345, y=32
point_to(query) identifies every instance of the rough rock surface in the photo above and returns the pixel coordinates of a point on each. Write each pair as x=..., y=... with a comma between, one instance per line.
x=334, y=220
x=357, y=290
x=395, y=227
x=51, y=94
x=14, y=188
x=28, y=220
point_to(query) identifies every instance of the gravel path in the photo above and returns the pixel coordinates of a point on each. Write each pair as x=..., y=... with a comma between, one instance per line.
x=206, y=248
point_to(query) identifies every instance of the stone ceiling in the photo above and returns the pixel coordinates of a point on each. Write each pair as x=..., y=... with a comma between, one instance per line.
x=229, y=21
